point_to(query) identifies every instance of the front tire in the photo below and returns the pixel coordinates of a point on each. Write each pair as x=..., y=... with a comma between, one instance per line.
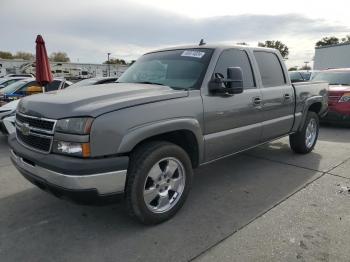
x=304, y=141
x=159, y=180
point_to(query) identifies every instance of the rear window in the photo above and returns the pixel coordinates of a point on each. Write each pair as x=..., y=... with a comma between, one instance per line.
x=270, y=69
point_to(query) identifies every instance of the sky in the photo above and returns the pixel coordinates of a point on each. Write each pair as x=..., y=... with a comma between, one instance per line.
x=87, y=30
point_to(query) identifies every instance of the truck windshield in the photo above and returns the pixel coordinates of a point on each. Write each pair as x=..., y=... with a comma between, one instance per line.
x=333, y=78
x=178, y=69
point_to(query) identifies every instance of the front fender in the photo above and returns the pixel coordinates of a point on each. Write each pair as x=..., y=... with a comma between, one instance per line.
x=137, y=134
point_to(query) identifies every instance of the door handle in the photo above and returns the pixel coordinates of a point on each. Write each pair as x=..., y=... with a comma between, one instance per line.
x=257, y=101
x=287, y=96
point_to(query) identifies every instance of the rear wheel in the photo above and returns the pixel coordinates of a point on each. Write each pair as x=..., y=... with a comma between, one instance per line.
x=159, y=179
x=304, y=141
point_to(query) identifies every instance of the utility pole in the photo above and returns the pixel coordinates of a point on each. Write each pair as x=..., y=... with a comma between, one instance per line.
x=109, y=66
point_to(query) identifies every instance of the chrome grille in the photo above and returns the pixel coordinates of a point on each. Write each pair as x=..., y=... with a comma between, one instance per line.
x=34, y=132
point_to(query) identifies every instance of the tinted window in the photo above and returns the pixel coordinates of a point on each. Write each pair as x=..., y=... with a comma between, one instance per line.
x=270, y=69
x=25, y=87
x=53, y=86
x=333, y=78
x=295, y=77
x=236, y=58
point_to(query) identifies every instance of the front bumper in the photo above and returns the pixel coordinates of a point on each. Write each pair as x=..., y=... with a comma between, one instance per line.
x=81, y=180
x=333, y=116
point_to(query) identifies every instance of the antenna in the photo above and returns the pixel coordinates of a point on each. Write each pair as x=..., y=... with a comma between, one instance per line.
x=202, y=42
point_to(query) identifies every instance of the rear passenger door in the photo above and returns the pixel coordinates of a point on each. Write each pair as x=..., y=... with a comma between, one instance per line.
x=232, y=122
x=277, y=96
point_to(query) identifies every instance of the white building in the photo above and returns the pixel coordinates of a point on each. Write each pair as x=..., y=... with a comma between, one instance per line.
x=333, y=56
x=58, y=69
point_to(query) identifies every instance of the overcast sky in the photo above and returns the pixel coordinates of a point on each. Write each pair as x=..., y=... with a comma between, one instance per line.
x=87, y=30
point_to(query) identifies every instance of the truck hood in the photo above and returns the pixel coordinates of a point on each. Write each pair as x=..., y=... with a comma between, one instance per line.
x=95, y=100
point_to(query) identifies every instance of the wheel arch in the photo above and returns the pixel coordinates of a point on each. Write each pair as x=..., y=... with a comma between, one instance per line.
x=185, y=133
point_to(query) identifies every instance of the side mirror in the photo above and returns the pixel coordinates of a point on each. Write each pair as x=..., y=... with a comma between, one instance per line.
x=235, y=79
x=233, y=84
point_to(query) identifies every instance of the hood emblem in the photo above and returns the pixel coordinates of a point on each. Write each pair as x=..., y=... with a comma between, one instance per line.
x=25, y=129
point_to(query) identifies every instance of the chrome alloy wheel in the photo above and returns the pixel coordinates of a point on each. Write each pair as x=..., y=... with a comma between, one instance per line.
x=311, y=133
x=164, y=185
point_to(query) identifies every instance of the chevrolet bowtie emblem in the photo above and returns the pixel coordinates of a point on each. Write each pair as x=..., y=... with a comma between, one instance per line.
x=25, y=129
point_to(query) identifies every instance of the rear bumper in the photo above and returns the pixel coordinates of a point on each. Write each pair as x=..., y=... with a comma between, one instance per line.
x=87, y=186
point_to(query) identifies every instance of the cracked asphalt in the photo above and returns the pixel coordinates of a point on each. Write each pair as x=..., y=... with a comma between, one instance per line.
x=266, y=204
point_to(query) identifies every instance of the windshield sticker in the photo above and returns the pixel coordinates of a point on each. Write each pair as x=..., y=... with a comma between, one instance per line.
x=190, y=53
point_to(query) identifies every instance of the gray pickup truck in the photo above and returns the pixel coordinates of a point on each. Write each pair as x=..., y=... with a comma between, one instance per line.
x=171, y=111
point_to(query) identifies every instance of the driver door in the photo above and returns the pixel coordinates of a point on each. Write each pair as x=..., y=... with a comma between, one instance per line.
x=232, y=122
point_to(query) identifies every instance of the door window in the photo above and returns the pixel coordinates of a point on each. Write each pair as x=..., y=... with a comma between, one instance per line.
x=270, y=69
x=236, y=58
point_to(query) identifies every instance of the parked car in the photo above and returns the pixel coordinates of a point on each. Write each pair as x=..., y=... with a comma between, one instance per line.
x=339, y=93
x=19, y=75
x=95, y=81
x=301, y=75
x=8, y=110
x=4, y=82
x=171, y=111
x=29, y=86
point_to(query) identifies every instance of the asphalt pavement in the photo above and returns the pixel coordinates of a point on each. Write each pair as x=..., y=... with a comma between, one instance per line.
x=230, y=200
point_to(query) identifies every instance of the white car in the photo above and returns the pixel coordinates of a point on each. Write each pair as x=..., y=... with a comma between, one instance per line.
x=7, y=117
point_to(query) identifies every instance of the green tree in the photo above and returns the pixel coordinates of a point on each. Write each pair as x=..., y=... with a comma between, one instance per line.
x=132, y=61
x=115, y=61
x=24, y=55
x=284, y=50
x=242, y=43
x=59, y=57
x=325, y=41
x=305, y=67
x=6, y=55
x=346, y=39
x=294, y=68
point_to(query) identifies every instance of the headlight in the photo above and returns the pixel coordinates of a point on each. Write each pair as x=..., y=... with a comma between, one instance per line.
x=80, y=126
x=345, y=98
x=72, y=148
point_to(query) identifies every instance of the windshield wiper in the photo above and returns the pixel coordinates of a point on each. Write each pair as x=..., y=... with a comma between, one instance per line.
x=150, y=83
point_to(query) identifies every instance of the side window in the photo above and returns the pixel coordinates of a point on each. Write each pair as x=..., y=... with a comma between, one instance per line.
x=236, y=58
x=26, y=86
x=53, y=86
x=270, y=69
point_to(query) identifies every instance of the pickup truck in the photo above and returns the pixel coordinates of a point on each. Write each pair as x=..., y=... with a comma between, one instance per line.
x=173, y=110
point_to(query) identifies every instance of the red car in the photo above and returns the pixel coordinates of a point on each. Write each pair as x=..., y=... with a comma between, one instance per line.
x=339, y=93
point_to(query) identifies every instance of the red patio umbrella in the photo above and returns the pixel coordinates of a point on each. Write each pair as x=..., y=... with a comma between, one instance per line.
x=42, y=70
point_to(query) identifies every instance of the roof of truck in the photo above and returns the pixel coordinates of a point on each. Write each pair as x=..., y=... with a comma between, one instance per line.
x=214, y=46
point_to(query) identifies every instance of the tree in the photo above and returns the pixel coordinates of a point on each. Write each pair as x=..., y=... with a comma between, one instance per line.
x=325, y=41
x=132, y=61
x=284, y=50
x=346, y=39
x=242, y=43
x=6, y=55
x=294, y=68
x=115, y=61
x=305, y=67
x=59, y=57
x=24, y=55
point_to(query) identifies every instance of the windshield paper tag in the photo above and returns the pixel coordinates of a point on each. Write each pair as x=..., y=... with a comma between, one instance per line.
x=196, y=54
